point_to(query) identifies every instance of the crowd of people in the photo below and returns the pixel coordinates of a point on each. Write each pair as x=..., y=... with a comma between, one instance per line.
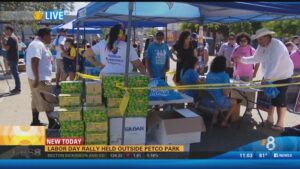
x=236, y=59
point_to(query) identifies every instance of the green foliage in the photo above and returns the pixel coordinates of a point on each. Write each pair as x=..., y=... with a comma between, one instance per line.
x=153, y=31
x=190, y=26
x=286, y=29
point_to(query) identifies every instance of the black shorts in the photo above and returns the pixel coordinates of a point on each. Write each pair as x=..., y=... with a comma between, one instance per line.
x=280, y=100
x=69, y=65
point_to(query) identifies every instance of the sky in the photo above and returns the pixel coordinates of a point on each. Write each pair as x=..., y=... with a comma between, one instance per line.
x=77, y=6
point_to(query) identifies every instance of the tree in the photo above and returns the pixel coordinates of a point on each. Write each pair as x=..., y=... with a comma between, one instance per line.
x=152, y=31
x=190, y=26
x=285, y=29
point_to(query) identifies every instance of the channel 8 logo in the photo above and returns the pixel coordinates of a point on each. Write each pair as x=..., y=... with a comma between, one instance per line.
x=269, y=143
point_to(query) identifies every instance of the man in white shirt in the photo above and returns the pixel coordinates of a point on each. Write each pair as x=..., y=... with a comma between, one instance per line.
x=276, y=66
x=59, y=43
x=38, y=69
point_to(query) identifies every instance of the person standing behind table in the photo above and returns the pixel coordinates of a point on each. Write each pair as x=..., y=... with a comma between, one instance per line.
x=226, y=50
x=277, y=66
x=59, y=43
x=184, y=50
x=158, y=57
x=246, y=72
x=113, y=53
x=11, y=47
x=202, y=54
x=38, y=69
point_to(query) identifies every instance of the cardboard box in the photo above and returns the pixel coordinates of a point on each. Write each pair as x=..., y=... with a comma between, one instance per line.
x=96, y=127
x=22, y=67
x=69, y=114
x=95, y=138
x=176, y=127
x=93, y=88
x=94, y=114
x=114, y=102
x=113, y=112
x=69, y=100
x=135, y=131
x=71, y=126
x=94, y=100
x=71, y=87
x=236, y=113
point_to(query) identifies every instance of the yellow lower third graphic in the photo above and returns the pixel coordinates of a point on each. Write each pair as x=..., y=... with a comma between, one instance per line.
x=22, y=135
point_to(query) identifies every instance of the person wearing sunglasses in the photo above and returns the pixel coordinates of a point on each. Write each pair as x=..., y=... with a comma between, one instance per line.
x=290, y=47
x=245, y=72
x=226, y=50
x=277, y=67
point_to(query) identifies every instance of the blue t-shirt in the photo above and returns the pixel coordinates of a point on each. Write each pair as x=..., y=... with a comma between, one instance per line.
x=158, y=56
x=218, y=78
x=190, y=77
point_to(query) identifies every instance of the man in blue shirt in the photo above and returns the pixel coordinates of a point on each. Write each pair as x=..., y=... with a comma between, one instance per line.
x=157, y=60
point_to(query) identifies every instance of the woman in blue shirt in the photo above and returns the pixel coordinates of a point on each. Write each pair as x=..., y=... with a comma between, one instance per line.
x=189, y=76
x=217, y=75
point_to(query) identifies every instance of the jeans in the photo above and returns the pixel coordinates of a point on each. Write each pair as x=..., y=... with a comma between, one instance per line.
x=14, y=71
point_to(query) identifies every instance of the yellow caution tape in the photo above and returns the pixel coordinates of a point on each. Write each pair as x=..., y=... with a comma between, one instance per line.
x=86, y=76
x=171, y=72
x=124, y=103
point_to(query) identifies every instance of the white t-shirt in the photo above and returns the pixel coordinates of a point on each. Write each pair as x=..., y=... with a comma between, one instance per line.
x=275, y=60
x=114, y=63
x=61, y=41
x=38, y=49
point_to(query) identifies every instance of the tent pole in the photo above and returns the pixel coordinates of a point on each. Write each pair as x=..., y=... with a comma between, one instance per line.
x=166, y=34
x=134, y=35
x=84, y=37
x=130, y=10
x=77, y=48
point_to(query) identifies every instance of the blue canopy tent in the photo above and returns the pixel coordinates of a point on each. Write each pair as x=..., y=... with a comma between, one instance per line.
x=193, y=12
x=70, y=29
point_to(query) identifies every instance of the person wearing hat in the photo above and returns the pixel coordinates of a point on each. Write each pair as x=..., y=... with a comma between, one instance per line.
x=157, y=58
x=277, y=66
x=59, y=43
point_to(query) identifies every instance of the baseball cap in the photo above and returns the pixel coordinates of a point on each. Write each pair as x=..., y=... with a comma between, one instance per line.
x=159, y=33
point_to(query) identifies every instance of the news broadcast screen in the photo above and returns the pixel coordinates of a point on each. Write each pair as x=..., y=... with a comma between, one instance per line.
x=149, y=84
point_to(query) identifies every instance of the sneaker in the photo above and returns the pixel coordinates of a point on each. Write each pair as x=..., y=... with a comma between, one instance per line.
x=37, y=123
x=15, y=91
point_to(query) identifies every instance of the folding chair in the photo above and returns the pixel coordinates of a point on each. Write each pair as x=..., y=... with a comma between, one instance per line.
x=215, y=111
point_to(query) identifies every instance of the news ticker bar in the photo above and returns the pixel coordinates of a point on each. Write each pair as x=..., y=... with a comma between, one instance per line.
x=115, y=148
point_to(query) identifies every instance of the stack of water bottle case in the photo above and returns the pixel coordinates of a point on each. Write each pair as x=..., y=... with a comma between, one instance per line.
x=88, y=118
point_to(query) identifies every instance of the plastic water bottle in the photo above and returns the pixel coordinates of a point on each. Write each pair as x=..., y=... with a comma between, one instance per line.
x=237, y=79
